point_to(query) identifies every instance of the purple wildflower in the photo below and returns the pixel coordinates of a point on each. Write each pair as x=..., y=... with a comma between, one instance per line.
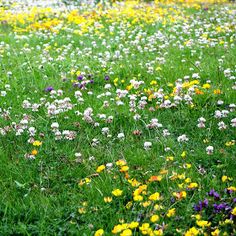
x=107, y=77
x=49, y=89
x=201, y=205
x=80, y=77
x=214, y=194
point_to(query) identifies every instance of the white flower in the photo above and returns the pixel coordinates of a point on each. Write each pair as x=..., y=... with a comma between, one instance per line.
x=107, y=86
x=121, y=136
x=54, y=125
x=182, y=138
x=3, y=93
x=222, y=125
x=218, y=114
x=166, y=132
x=78, y=154
x=109, y=165
x=136, y=117
x=195, y=76
x=105, y=130
x=209, y=150
x=233, y=122
x=95, y=142
x=201, y=123
x=32, y=131
x=26, y=104
x=201, y=119
x=147, y=145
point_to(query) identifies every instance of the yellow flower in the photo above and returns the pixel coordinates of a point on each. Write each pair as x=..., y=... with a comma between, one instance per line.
x=224, y=178
x=203, y=223
x=170, y=158
x=138, y=198
x=192, y=232
x=192, y=185
x=144, y=227
x=147, y=203
x=107, y=199
x=100, y=168
x=180, y=195
x=216, y=232
x=154, y=218
x=158, y=207
x=37, y=143
x=117, y=192
x=198, y=216
x=126, y=232
x=206, y=86
x=158, y=232
x=129, y=205
x=153, y=82
x=233, y=212
x=99, y=232
x=124, y=168
x=82, y=210
x=117, y=229
x=34, y=152
x=231, y=188
x=155, y=178
x=183, y=155
x=133, y=225
x=171, y=212
x=217, y=91
x=187, y=180
x=134, y=182
x=121, y=162
x=154, y=196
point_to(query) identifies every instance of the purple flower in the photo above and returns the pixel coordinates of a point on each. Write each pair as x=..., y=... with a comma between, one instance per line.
x=107, y=77
x=80, y=77
x=91, y=81
x=214, y=194
x=49, y=89
x=197, y=207
x=205, y=203
x=201, y=205
x=221, y=207
x=229, y=191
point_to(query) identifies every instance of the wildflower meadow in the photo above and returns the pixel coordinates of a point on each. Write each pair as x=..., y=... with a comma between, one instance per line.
x=118, y=117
